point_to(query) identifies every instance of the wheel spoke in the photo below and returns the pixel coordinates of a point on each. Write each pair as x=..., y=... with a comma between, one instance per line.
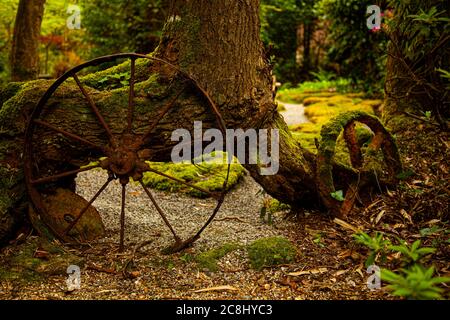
x=94, y=107
x=166, y=109
x=122, y=219
x=82, y=212
x=131, y=95
x=219, y=205
x=211, y=194
x=61, y=175
x=67, y=134
x=160, y=211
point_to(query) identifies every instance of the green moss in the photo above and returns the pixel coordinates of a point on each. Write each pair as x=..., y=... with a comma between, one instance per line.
x=208, y=260
x=98, y=80
x=280, y=107
x=290, y=96
x=206, y=175
x=9, y=91
x=321, y=111
x=277, y=206
x=324, y=110
x=269, y=252
x=22, y=264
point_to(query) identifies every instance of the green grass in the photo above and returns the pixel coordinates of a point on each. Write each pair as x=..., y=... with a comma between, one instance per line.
x=324, y=88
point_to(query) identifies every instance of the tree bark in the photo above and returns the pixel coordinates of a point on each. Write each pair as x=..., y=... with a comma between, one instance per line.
x=24, y=57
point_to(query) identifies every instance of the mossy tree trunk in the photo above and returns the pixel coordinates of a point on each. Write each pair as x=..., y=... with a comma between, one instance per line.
x=218, y=43
x=24, y=57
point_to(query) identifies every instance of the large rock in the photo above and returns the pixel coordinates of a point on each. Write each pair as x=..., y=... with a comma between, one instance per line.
x=63, y=207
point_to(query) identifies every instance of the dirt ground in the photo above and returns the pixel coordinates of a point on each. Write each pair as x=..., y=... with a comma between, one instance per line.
x=329, y=264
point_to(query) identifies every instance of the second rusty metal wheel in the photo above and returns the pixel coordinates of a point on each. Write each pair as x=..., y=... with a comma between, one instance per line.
x=124, y=156
x=381, y=142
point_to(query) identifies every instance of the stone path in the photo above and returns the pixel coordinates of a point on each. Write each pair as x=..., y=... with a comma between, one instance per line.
x=294, y=113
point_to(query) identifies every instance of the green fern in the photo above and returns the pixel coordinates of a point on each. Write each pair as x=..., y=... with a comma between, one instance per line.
x=413, y=253
x=415, y=283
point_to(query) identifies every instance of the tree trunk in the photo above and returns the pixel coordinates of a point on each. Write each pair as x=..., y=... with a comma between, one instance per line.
x=219, y=43
x=24, y=53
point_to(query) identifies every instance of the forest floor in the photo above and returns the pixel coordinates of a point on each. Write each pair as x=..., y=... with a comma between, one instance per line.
x=328, y=263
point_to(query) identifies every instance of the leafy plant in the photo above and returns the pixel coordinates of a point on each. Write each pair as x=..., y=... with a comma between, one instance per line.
x=414, y=283
x=377, y=244
x=413, y=253
x=338, y=195
x=115, y=81
x=430, y=231
x=318, y=240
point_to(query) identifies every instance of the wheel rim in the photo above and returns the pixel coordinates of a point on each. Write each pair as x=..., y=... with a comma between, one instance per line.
x=125, y=156
x=382, y=140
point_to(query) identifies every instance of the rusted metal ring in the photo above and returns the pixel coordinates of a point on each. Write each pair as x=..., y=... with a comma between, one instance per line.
x=330, y=132
x=130, y=163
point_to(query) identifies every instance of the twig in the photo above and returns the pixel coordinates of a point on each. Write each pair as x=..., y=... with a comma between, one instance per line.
x=100, y=269
x=131, y=260
x=419, y=118
x=232, y=218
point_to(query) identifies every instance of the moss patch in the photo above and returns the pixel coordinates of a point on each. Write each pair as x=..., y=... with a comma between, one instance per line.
x=207, y=175
x=24, y=264
x=320, y=110
x=277, y=206
x=269, y=252
x=208, y=260
x=280, y=107
x=325, y=109
x=291, y=96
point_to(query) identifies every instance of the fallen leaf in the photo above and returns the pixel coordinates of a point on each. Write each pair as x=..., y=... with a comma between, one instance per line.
x=379, y=216
x=219, y=288
x=312, y=271
x=406, y=215
x=340, y=272
x=345, y=254
x=359, y=271
x=41, y=254
x=346, y=225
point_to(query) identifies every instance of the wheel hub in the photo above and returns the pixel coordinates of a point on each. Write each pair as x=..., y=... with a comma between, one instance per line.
x=125, y=160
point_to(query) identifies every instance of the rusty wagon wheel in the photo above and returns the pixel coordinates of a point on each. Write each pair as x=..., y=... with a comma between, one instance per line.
x=361, y=163
x=124, y=155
